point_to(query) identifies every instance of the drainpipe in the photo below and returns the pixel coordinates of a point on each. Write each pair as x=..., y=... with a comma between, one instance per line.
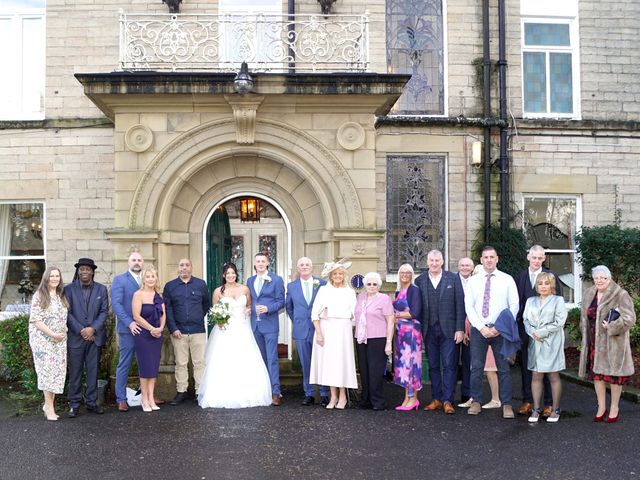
x=486, y=69
x=291, y=10
x=502, y=92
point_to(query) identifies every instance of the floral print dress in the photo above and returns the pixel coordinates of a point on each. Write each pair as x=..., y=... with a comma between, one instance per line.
x=49, y=356
x=407, y=361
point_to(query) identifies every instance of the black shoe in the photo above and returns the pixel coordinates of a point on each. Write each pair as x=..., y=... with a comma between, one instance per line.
x=380, y=408
x=73, y=412
x=324, y=401
x=464, y=398
x=365, y=406
x=308, y=401
x=95, y=409
x=179, y=398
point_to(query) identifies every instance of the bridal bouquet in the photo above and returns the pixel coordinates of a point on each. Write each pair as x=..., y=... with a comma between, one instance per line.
x=219, y=315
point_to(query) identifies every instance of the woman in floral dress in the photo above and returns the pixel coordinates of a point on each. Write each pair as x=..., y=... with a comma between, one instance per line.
x=407, y=361
x=48, y=337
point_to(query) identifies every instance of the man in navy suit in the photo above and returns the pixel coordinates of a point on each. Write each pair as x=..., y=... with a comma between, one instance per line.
x=443, y=317
x=299, y=301
x=267, y=299
x=88, y=309
x=122, y=290
x=525, y=281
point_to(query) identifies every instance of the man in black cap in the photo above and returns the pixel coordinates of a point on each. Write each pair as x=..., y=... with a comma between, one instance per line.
x=88, y=309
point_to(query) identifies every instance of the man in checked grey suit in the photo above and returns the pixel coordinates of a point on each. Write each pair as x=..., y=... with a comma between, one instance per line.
x=299, y=301
x=443, y=315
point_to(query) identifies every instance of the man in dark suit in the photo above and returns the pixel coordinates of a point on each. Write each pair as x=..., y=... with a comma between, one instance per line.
x=122, y=290
x=525, y=281
x=88, y=309
x=299, y=301
x=443, y=317
x=267, y=299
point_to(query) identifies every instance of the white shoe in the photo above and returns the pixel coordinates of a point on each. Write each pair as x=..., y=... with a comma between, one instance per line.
x=466, y=404
x=492, y=404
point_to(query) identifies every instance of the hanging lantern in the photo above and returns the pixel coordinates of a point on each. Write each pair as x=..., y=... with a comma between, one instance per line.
x=249, y=209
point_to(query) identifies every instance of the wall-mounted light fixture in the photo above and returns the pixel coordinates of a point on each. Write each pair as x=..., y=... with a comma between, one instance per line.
x=476, y=153
x=325, y=6
x=249, y=209
x=243, y=83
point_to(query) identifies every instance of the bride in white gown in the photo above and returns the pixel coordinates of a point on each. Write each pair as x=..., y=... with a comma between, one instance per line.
x=235, y=375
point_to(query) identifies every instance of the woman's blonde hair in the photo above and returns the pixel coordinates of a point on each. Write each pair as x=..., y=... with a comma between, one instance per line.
x=148, y=267
x=405, y=266
x=345, y=282
x=551, y=278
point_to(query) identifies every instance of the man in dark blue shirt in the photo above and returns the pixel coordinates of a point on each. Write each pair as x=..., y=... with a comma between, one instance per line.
x=187, y=301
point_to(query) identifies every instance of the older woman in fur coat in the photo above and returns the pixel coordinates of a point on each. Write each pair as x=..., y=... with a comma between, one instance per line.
x=607, y=315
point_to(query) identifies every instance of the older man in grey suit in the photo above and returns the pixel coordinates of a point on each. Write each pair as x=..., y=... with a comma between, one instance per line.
x=443, y=317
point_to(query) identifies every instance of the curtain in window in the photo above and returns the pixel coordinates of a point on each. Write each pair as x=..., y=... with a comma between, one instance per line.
x=5, y=242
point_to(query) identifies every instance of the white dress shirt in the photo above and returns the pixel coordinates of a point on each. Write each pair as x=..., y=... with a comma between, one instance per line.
x=504, y=294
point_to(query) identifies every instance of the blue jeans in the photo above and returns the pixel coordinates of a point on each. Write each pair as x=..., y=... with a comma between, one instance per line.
x=479, y=346
x=126, y=351
x=443, y=363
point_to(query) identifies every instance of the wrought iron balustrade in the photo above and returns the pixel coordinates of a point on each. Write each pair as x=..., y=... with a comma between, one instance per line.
x=268, y=43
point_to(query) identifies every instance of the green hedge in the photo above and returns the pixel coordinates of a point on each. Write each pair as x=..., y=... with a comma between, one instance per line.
x=17, y=361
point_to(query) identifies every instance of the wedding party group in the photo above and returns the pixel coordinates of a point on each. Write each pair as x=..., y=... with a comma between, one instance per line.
x=470, y=323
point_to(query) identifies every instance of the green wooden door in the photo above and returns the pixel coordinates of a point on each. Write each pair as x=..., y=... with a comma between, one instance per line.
x=218, y=246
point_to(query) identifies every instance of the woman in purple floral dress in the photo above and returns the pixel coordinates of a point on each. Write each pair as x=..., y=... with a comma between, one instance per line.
x=407, y=361
x=48, y=338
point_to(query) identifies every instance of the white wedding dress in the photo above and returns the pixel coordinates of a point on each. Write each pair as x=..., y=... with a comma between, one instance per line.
x=235, y=375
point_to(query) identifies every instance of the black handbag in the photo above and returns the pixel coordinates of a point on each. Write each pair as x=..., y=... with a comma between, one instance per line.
x=612, y=315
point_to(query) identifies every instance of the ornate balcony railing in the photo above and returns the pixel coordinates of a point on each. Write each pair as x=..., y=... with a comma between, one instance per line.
x=269, y=43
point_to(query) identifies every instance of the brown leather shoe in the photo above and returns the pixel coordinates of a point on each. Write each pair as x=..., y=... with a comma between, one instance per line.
x=448, y=408
x=525, y=409
x=123, y=406
x=547, y=411
x=158, y=401
x=275, y=401
x=433, y=406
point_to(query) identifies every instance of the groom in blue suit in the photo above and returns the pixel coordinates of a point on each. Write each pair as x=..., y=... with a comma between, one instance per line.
x=122, y=290
x=267, y=299
x=299, y=300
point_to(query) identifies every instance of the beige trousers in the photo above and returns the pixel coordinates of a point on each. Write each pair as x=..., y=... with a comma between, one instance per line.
x=195, y=344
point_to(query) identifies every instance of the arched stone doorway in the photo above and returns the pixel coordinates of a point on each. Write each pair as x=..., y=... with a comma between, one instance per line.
x=226, y=238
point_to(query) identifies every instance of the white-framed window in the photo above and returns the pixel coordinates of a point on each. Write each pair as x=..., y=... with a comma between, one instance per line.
x=22, y=33
x=552, y=221
x=22, y=249
x=550, y=67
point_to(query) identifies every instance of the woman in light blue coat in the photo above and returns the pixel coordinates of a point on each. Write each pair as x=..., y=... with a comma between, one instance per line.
x=544, y=319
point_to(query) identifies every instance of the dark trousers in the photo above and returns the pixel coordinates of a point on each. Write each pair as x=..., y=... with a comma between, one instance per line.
x=443, y=361
x=80, y=359
x=479, y=346
x=465, y=370
x=372, y=361
x=525, y=373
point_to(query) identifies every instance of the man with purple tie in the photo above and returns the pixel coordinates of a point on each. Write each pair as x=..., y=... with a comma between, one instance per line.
x=267, y=299
x=299, y=300
x=488, y=294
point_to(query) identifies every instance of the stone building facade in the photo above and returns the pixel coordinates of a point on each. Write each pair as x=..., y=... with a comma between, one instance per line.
x=118, y=159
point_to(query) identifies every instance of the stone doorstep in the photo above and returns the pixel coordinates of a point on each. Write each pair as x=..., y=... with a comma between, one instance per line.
x=629, y=393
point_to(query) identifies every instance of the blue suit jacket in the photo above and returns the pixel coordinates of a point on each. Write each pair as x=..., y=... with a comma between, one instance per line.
x=451, y=303
x=298, y=310
x=122, y=290
x=80, y=316
x=272, y=296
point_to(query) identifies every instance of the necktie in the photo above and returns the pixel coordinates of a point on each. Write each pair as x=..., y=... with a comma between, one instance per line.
x=259, y=287
x=138, y=280
x=533, y=280
x=487, y=296
x=307, y=293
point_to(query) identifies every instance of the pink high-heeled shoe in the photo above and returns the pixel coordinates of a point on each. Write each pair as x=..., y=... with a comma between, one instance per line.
x=408, y=407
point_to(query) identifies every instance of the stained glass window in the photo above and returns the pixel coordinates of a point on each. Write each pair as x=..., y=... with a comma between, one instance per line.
x=415, y=46
x=415, y=209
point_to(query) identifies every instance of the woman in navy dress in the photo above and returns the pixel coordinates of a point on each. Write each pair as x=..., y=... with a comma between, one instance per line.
x=149, y=313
